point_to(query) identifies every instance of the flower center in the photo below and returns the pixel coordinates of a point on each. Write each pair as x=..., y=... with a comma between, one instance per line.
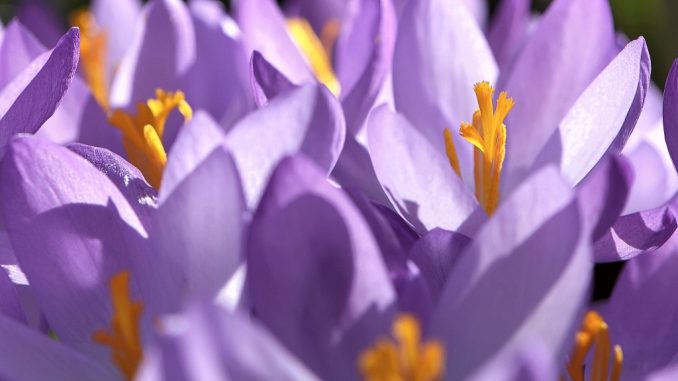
x=594, y=333
x=93, y=55
x=487, y=133
x=142, y=133
x=318, y=51
x=123, y=337
x=406, y=358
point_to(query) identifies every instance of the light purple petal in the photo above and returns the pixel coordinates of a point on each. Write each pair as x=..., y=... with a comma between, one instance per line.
x=10, y=305
x=71, y=230
x=17, y=51
x=531, y=362
x=602, y=194
x=28, y=355
x=440, y=54
x=231, y=347
x=417, y=179
x=265, y=30
x=307, y=120
x=671, y=112
x=33, y=96
x=435, y=254
x=305, y=232
x=669, y=373
x=508, y=30
x=162, y=51
x=40, y=17
x=525, y=279
x=635, y=234
x=597, y=119
x=373, y=30
x=266, y=80
x=194, y=143
x=126, y=177
x=200, y=224
x=218, y=80
x=119, y=19
x=549, y=76
x=354, y=170
x=642, y=312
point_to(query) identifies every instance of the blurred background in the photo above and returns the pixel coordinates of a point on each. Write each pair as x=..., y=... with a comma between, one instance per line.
x=654, y=19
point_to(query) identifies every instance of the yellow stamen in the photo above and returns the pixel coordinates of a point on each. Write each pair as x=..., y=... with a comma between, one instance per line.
x=142, y=133
x=123, y=337
x=451, y=152
x=93, y=55
x=407, y=358
x=488, y=136
x=594, y=331
x=308, y=42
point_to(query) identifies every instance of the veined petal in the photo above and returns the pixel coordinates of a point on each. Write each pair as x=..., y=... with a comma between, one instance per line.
x=597, y=118
x=200, y=224
x=307, y=120
x=508, y=30
x=264, y=30
x=505, y=290
x=162, y=51
x=33, y=96
x=548, y=77
x=267, y=82
x=416, y=178
x=303, y=219
x=431, y=83
x=671, y=113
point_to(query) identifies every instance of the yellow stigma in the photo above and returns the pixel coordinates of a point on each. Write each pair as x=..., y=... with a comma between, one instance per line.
x=93, y=55
x=142, y=133
x=407, y=358
x=317, y=52
x=487, y=133
x=594, y=331
x=123, y=338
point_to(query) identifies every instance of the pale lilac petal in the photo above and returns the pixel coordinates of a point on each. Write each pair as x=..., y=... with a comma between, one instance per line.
x=40, y=17
x=307, y=232
x=71, y=230
x=635, y=234
x=119, y=19
x=218, y=80
x=265, y=30
x=508, y=30
x=126, y=177
x=669, y=373
x=354, y=170
x=307, y=120
x=548, y=76
x=163, y=50
x=504, y=291
x=32, y=97
x=17, y=51
x=10, y=305
x=194, y=143
x=231, y=347
x=28, y=355
x=435, y=254
x=200, y=224
x=642, y=312
x=433, y=83
x=597, y=120
x=373, y=30
x=266, y=80
x=603, y=193
x=531, y=362
x=671, y=112
x=417, y=179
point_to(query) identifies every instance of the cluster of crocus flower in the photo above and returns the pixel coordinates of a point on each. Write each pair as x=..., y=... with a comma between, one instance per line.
x=337, y=190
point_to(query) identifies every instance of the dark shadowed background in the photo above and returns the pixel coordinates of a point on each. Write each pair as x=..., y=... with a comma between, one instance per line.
x=654, y=19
